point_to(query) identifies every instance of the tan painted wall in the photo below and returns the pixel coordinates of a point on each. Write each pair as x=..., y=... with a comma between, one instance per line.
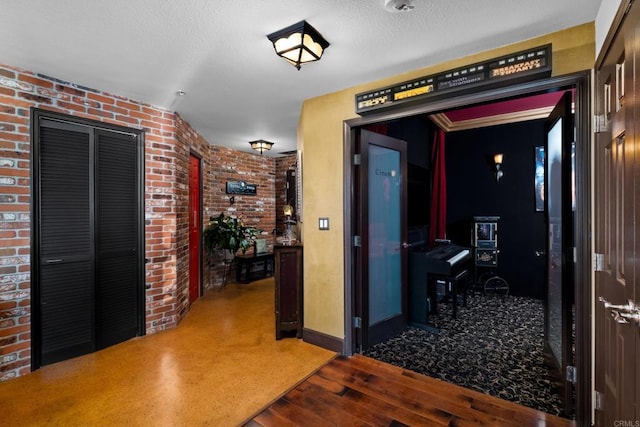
x=320, y=131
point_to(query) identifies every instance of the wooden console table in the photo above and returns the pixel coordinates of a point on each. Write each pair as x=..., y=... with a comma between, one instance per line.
x=288, y=278
x=252, y=267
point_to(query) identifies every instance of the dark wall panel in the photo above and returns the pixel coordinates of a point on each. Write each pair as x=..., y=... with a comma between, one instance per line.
x=472, y=190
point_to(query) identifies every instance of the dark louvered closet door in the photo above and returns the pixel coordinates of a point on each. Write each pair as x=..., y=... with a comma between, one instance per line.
x=117, y=230
x=66, y=261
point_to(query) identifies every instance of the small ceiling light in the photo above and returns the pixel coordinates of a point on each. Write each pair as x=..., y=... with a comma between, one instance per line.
x=261, y=145
x=299, y=43
x=180, y=93
x=497, y=159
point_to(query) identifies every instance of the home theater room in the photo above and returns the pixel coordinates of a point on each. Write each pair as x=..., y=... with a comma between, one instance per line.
x=495, y=221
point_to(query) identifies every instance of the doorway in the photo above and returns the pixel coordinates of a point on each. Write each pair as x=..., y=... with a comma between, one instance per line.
x=580, y=83
x=382, y=208
x=195, y=228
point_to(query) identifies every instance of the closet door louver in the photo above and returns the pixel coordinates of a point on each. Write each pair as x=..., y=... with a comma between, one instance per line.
x=117, y=231
x=66, y=247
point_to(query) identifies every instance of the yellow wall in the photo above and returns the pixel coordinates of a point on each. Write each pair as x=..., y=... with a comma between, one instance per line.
x=320, y=132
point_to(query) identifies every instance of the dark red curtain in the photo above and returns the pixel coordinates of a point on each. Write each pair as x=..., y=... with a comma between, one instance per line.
x=438, y=223
x=380, y=128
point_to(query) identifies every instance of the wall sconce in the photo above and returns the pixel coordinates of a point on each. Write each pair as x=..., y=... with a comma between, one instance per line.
x=261, y=145
x=497, y=160
x=299, y=43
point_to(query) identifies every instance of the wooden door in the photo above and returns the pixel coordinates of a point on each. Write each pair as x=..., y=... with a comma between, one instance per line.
x=194, y=228
x=88, y=240
x=118, y=224
x=64, y=291
x=558, y=214
x=617, y=186
x=382, y=285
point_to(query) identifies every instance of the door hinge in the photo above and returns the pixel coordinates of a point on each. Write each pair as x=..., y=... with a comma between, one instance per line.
x=572, y=374
x=357, y=241
x=356, y=159
x=598, y=262
x=598, y=401
x=599, y=123
x=357, y=322
x=575, y=255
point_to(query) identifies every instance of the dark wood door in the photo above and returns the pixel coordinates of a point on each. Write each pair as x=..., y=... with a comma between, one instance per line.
x=617, y=188
x=558, y=210
x=194, y=228
x=88, y=238
x=65, y=277
x=382, y=281
x=117, y=238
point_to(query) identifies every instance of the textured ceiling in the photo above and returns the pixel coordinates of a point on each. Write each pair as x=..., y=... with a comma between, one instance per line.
x=237, y=89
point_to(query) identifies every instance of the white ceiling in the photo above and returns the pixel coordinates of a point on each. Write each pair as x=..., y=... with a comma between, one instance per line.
x=237, y=89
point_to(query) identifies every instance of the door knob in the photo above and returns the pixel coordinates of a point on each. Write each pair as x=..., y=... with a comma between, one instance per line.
x=633, y=316
x=628, y=307
x=618, y=318
x=541, y=253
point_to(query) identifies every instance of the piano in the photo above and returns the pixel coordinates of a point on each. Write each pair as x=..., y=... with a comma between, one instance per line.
x=445, y=263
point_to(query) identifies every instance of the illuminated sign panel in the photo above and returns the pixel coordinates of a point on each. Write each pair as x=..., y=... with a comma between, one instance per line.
x=518, y=67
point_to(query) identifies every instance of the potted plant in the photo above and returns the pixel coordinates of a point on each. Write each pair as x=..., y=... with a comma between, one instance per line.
x=228, y=234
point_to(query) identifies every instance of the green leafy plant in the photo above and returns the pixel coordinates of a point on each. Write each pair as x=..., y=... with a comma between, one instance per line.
x=228, y=233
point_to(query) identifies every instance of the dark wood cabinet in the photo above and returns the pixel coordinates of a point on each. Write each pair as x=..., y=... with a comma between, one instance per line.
x=288, y=278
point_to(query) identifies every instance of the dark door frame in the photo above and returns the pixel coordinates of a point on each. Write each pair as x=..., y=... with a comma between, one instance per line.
x=37, y=115
x=583, y=220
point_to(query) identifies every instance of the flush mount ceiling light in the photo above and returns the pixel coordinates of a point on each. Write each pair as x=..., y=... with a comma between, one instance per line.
x=261, y=145
x=299, y=43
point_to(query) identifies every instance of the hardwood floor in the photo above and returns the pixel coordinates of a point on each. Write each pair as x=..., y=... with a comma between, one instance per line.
x=362, y=391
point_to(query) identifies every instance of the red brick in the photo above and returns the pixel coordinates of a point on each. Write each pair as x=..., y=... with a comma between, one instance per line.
x=70, y=90
x=35, y=80
x=7, y=73
x=100, y=113
x=128, y=105
x=100, y=98
x=14, y=101
x=71, y=106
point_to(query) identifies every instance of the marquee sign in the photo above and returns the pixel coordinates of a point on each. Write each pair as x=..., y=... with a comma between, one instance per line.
x=518, y=67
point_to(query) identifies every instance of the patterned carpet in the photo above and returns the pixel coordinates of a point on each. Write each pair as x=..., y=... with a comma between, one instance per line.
x=495, y=347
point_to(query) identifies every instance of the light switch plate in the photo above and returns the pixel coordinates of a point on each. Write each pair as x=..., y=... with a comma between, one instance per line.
x=323, y=223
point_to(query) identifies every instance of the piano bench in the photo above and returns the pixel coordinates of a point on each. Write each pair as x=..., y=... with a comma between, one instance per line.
x=457, y=285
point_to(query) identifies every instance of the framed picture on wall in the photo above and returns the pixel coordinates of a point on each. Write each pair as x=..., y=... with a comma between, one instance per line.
x=539, y=179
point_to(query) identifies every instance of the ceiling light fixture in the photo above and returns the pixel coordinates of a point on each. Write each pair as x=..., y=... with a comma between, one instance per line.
x=261, y=145
x=299, y=43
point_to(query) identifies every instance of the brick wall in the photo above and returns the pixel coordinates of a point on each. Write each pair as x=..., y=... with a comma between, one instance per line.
x=168, y=142
x=256, y=211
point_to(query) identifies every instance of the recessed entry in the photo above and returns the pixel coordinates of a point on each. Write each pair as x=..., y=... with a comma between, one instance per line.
x=323, y=223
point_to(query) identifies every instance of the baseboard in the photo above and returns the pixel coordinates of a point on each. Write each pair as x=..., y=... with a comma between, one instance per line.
x=322, y=340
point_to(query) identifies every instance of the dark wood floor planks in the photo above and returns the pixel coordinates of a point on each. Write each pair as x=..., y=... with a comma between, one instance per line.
x=360, y=391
